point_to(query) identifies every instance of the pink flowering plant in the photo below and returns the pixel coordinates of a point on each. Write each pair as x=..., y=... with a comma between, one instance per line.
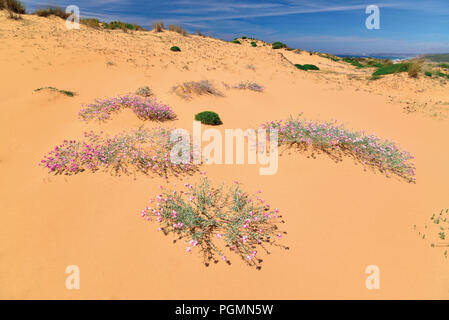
x=144, y=107
x=211, y=219
x=145, y=151
x=336, y=140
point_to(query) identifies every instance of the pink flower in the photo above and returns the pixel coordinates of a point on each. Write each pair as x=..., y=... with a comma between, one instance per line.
x=189, y=250
x=223, y=258
x=174, y=214
x=245, y=238
x=219, y=236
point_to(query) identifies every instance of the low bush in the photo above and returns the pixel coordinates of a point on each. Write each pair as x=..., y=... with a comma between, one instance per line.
x=144, y=92
x=414, y=69
x=444, y=65
x=186, y=90
x=236, y=41
x=144, y=108
x=428, y=73
x=254, y=44
x=145, y=151
x=119, y=25
x=13, y=6
x=177, y=29
x=175, y=49
x=307, y=67
x=212, y=219
x=208, y=117
x=336, y=140
x=56, y=11
x=278, y=45
x=91, y=23
x=253, y=86
x=158, y=26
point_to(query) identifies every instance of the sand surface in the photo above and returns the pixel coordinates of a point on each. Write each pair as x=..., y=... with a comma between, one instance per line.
x=339, y=217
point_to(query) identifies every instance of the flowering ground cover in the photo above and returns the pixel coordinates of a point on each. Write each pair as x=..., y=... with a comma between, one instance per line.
x=335, y=139
x=214, y=219
x=146, y=151
x=144, y=107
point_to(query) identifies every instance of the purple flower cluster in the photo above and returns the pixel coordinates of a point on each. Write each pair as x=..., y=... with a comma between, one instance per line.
x=128, y=152
x=145, y=108
x=328, y=136
x=212, y=218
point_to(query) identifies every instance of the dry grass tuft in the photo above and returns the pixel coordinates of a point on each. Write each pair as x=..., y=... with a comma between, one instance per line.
x=178, y=29
x=158, y=26
x=186, y=90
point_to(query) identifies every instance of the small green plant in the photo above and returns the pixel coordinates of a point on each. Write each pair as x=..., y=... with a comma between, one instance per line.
x=428, y=73
x=278, y=45
x=254, y=44
x=119, y=25
x=144, y=92
x=444, y=65
x=175, y=49
x=212, y=219
x=65, y=92
x=307, y=67
x=208, y=117
x=436, y=231
x=236, y=41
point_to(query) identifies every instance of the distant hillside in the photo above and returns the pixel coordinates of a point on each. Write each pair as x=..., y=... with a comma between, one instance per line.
x=443, y=57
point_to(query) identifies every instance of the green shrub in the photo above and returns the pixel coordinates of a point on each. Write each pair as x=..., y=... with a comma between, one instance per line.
x=13, y=5
x=307, y=67
x=244, y=37
x=390, y=69
x=254, y=44
x=208, y=117
x=428, y=73
x=236, y=41
x=66, y=92
x=444, y=65
x=119, y=25
x=278, y=45
x=175, y=48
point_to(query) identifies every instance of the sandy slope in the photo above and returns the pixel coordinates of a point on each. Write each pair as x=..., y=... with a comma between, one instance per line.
x=340, y=218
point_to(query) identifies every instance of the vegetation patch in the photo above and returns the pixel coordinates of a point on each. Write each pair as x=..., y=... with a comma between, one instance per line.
x=52, y=10
x=278, y=45
x=175, y=49
x=186, y=90
x=178, y=29
x=391, y=69
x=337, y=141
x=307, y=67
x=144, y=91
x=158, y=26
x=213, y=219
x=208, y=117
x=144, y=108
x=254, y=44
x=437, y=231
x=13, y=6
x=248, y=85
x=144, y=151
x=236, y=41
x=65, y=92
x=119, y=25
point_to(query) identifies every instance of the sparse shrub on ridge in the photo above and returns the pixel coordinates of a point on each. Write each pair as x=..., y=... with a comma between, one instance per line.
x=144, y=151
x=208, y=117
x=214, y=219
x=144, y=108
x=236, y=41
x=186, y=90
x=175, y=49
x=14, y=6
x=177, y=29
x=120, y=25
x=338, y=141
x=52, y=10
x=278, y=45
x=158, y=26
x=254, y=44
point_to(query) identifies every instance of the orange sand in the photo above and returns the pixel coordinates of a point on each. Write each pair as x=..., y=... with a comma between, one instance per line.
x=339, y=218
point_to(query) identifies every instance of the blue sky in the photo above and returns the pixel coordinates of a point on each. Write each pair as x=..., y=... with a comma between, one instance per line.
x=335, y=26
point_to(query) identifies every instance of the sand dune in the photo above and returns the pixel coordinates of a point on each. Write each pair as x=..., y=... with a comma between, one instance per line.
x=340, y=218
